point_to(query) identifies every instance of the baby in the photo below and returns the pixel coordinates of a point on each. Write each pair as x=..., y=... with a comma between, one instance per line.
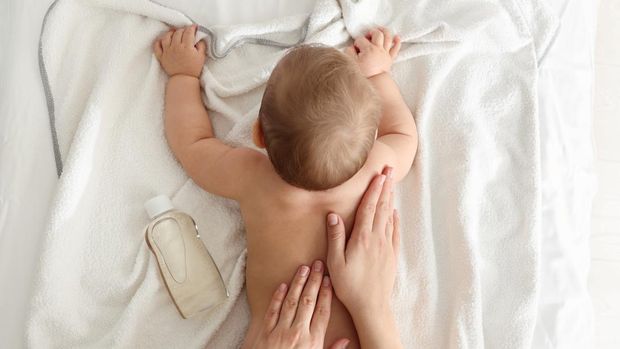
x=329, y=121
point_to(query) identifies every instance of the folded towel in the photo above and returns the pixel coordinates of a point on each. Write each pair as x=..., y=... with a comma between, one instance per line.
x=470, y=206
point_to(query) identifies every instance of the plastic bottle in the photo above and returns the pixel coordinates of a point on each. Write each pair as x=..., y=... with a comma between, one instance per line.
x=189, y=272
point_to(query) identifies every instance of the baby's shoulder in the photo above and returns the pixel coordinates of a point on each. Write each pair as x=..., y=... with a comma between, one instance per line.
x=380, y=155
x=378, y=158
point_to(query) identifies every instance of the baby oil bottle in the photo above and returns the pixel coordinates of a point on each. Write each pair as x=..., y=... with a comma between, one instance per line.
x=191, y=276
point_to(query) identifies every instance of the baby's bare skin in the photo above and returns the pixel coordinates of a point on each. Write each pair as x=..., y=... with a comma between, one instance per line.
x=285, y=225
x=286, y=228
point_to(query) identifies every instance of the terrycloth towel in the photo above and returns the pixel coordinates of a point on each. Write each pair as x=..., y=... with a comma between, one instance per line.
x=470, y=206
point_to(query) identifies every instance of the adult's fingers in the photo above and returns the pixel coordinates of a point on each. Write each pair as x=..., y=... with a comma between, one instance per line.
x=289, y=308
x=390, y=222
x=396, y=234
x=167, y=38
x=309, y=295
x=389, y=227
x=384, y=206
x=189, y=36
x=377, y=37
x=322, y=312
x=336, y=240
x=362, y=43
x=273, y=311
x=366, y=210
x=396, y=47
x=387, y=40
x=177, y=36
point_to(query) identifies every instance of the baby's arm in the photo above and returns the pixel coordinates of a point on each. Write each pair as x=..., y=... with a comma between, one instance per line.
x=397, y=128
x=213, y=165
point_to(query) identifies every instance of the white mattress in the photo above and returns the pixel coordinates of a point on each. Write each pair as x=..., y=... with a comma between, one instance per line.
x=28, y=175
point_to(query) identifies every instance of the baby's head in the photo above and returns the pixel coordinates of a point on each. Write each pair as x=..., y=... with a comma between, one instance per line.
x=318, y=118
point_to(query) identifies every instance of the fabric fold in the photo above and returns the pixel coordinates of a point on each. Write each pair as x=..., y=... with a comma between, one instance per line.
x=470, y=205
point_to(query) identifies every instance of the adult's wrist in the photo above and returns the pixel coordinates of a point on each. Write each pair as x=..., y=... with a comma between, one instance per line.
x=377, y=330
x=364, y=309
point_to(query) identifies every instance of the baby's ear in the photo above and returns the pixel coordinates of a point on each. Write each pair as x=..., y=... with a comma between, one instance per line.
x=257, y=135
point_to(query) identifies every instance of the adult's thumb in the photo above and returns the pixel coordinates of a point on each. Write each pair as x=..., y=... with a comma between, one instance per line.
x=335, y=240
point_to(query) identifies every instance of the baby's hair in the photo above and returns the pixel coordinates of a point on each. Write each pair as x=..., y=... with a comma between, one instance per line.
x=319, y=117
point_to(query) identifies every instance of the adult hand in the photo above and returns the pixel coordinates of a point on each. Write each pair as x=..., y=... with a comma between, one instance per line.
x=297, y=319
x=363, y=273
x=369, y=261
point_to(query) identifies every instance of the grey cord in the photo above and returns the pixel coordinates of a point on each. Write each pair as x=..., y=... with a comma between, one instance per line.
x=49, y=98
x=211, y=37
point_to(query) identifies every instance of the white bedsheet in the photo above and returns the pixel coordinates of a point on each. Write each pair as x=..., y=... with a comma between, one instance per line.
x=565, y=85
x=27, y=170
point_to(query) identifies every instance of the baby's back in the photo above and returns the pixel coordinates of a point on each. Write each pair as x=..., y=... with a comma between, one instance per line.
x=280, y=239
x=286, y=227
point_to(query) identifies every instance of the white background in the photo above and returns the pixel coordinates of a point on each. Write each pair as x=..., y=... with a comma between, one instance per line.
x=605, y=241
x=27, y=172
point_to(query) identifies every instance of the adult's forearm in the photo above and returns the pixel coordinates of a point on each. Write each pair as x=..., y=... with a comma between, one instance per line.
x=186, y=118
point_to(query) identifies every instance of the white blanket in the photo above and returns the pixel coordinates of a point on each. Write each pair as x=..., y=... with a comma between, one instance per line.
x=470, y=206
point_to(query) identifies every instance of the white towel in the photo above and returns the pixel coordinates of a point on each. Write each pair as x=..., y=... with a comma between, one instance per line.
x=470, y=206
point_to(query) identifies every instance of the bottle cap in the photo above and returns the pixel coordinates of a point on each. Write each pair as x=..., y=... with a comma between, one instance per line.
x=158, y=205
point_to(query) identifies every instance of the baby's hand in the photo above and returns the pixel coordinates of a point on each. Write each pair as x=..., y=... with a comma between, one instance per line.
x=375, y=52
x=177, y=54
